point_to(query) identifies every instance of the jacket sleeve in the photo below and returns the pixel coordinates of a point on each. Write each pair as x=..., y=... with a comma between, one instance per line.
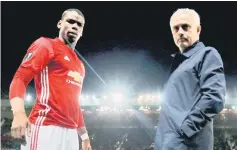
x=213, y=89
x=36, y=59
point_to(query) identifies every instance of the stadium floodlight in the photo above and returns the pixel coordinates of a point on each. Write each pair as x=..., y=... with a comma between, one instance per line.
x=28, y=98
x=116, y=86
x=225, y=109
x=158, y=95
x=93, y=97
x=117, y=96
x=104, y=97
x=87, y=96
x=148, y=96
x=233, y=107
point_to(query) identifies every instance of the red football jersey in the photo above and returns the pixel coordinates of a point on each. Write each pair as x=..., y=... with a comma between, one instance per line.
x=58, y=75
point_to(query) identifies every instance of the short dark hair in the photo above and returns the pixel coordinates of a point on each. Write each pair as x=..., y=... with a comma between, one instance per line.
x=72, y=9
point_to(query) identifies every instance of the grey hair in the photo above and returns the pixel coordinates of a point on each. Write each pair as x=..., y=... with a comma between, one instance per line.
x=191, y=12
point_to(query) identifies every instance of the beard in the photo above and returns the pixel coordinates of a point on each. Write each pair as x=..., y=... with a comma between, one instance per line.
x=184, y=42
x=71, y=39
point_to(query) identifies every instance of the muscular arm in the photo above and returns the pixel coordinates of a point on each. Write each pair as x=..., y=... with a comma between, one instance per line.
x=37, y=57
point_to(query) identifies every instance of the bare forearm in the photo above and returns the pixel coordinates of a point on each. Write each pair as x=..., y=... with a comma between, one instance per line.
x=17, y=105
x=81, y=131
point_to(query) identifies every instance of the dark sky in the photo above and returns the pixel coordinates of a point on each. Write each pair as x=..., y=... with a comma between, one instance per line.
x=126, y=42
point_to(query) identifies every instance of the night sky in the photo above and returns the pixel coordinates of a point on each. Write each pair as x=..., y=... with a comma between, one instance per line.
x=127, y=43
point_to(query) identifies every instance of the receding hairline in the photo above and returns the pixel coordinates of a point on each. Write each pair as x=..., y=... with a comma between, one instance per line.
x=70, y=10
x=187, y=11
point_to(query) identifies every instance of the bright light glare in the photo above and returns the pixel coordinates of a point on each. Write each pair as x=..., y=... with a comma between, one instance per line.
x=28, y=97
x=117, y=96
x=93, y=97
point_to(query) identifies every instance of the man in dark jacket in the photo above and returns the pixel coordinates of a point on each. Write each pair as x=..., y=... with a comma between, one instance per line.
x=195, y=91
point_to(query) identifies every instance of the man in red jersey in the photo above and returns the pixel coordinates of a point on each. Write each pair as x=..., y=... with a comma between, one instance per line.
x=56, y=119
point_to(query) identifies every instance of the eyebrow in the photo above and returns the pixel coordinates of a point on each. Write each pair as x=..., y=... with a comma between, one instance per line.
x=181, y=24
x=78, y=22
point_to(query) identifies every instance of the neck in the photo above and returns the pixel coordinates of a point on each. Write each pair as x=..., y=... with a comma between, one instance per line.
x=70, y=45
x=183, y=49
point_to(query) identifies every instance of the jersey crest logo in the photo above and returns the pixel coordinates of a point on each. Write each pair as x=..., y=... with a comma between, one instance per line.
x=75, y=75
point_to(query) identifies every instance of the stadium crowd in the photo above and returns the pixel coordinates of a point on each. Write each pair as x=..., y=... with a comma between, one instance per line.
x=132, y=129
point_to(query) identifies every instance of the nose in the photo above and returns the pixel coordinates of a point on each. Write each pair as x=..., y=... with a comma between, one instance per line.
x=181, y=32
x=75, y=27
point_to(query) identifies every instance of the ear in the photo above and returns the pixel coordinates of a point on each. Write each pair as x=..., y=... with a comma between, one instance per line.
x=199, y=28
x=59, y=24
